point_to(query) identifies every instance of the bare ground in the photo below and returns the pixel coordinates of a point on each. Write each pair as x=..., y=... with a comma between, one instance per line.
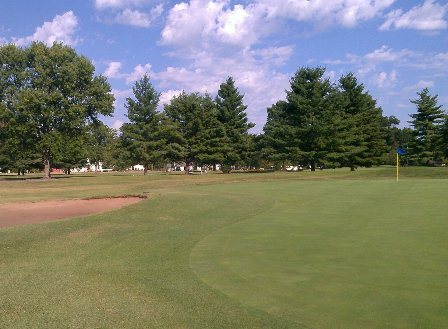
x=20, y=213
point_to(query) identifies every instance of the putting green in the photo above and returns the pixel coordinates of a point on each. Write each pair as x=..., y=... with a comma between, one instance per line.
x=337, y=254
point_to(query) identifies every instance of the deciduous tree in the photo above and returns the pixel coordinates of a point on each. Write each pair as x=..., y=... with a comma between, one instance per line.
x=53, y=96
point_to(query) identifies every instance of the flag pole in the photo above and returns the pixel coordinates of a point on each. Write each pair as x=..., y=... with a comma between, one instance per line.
x=397, y=165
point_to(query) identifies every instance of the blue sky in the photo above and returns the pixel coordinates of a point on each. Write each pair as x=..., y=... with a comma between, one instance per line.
x=395, y=47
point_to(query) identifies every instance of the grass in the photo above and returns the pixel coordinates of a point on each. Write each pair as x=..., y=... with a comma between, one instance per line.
x=330, y=249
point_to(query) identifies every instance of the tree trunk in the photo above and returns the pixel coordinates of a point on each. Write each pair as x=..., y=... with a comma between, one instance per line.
x=145, y=169
x=313, y=165
x=47, y=168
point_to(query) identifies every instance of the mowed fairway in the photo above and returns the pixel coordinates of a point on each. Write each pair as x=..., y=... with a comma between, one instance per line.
x=286, y=250
x=337, y=254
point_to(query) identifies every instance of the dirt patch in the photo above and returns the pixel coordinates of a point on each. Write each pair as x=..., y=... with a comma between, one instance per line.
x=20, y=213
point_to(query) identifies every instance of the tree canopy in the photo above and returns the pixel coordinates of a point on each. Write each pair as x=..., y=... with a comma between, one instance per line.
x=149, y=136
x=49, y=95
x=426, y=123
x=232, y=115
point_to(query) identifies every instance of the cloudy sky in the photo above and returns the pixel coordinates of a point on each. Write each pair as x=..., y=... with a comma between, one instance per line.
x=395, y=47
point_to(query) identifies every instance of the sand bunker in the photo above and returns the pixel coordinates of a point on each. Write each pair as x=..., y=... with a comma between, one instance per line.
x=20, y=213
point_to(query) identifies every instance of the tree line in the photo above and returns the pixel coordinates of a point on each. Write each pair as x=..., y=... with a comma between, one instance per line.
x=51, y=101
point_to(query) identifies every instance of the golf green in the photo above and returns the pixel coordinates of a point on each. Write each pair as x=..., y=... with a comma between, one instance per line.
x=336, y=253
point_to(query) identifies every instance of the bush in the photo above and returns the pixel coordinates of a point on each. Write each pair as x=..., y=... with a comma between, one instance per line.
x=226, y=169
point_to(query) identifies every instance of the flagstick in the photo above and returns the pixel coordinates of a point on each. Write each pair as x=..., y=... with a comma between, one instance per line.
x=397, y=166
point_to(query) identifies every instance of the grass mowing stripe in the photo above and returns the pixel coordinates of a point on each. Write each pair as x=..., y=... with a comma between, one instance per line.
x=131, y=268
x=364, y=254
x=126, y=269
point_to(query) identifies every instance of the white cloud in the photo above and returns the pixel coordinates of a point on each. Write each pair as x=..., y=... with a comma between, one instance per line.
x=121, y=93
x=138, y=18
x=420, y=85
x=60, y=29
x=138, y=72
x=404, y=58
x=429, y=16
x=167, y=96
x=261, y=86
x=275, y=55
x=347, y=13
x=113, y=70
x=188, y=23
x=386, y=54
x=103, y=4
x=212, y=22
x=218, y=39
x=384, y=79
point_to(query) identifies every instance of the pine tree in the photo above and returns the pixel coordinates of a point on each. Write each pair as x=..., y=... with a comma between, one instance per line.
x=310, y=117
x=210, y=141
x=277, y=135
x=232, y=115
x=149, y=137
x=204, y=135
x=426, y=123
x=443, y=138
x=361, y=140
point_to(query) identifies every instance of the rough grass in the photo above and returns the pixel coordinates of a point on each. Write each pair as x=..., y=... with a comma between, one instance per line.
x=280, y=250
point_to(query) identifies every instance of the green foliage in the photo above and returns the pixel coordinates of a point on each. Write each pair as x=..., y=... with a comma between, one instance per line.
x=275, y=141
x=211, y=143
x=99, y=141
x=204, y=135
x=49, y=94
x=303, y=128
x=349, y=264
x=232, y=115
x=310, y=116
x=362, y=137
x=150, y=137
x=443, y=138
x=320, y=123
x=426, y=124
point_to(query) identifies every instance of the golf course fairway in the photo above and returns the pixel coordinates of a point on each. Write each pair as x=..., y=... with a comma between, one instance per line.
x=336, y=254
x=327, y=249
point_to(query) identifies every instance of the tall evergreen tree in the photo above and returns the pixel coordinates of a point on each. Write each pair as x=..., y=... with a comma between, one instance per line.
x=203, y=134
x=232, y=115
x=363, y=129
x=185, y=110
x=443, y=138
x=277, y=133
x=210, y=142
x=310, y=117
x=148, y=136
x=426, y=124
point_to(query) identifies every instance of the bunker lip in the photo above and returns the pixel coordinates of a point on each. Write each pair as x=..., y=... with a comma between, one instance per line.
x=30, y=212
